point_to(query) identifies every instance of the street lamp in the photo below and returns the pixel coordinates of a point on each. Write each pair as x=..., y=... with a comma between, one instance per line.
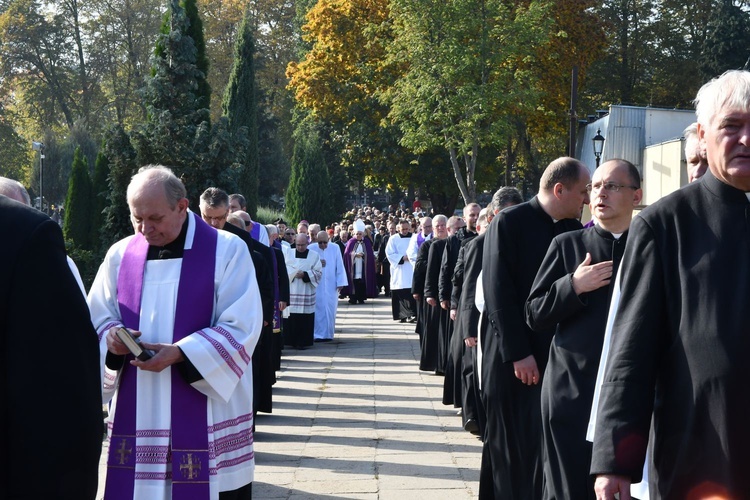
x=598, y=146
x=39, y=146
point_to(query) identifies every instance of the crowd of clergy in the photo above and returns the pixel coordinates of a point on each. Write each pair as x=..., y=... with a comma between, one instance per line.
x=600, y=361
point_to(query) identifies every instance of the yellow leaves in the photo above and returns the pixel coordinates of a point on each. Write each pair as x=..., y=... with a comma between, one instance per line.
x=344, y=65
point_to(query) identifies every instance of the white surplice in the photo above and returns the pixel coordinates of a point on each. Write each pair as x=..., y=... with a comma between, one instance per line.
x=413, y=249
x=221, y=353
x=401, y=274
x=327, y=295
x=302, y=294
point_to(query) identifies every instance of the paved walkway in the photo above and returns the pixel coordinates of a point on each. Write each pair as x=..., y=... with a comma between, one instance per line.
x=355, y=419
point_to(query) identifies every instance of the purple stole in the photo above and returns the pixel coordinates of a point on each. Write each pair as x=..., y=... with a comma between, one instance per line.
x=255, y=233
x=189, y=432
x=421, y=239
x=276, y=313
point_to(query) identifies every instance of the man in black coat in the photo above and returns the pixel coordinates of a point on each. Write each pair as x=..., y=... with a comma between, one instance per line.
x=452, y=383
x=50, y=384
x=214, y=207
x=678, y=355
x=571, y=293
x=514, y=357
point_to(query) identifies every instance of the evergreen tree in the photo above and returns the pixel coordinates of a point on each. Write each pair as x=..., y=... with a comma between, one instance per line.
x=171, y=136
x=195, y=31
x=725, y=46
x=99, y=192
x=309, y=186
x=240, y=108
x=121, y=159
x=77, y=226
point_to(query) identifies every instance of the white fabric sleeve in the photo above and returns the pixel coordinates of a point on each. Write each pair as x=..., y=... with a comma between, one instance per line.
x=222, y=353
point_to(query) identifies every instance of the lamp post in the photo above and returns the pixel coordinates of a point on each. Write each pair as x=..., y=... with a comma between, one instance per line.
x=598, y=146
x=39, y=146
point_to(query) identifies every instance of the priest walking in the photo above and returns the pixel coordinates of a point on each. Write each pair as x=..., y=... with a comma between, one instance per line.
x=514, y=357
x=402, y=301
x=571, y=293
x=305, y=272
x=359, y=261
x=678, y=358
x=171, y=413
x=327, y=293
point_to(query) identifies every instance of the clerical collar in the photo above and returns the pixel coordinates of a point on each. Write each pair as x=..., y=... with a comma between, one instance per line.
x=173, y=249
x=748, y=196
x=300, y=255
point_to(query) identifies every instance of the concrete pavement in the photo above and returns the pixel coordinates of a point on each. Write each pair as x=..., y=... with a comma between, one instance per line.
x=355, y=419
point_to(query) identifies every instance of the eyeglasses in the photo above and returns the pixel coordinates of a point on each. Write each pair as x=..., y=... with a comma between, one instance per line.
x=210, y=219
x=247, y=223
x=289, y=233
x=607, y=186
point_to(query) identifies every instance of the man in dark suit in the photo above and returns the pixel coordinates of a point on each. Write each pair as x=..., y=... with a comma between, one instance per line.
x=50, y=382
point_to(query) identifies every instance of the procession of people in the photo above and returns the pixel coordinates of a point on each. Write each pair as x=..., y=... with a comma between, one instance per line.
x=586, y=359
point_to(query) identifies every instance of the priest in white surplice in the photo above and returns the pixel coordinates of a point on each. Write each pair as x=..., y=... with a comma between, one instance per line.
x=402, y=302
x=181, y=422
x=327, y=293
x=305, y=271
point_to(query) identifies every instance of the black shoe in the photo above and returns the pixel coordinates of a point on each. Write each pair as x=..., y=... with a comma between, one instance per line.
x=402, y=320
x=352, y=301
x=472, y=426
x=361, y=301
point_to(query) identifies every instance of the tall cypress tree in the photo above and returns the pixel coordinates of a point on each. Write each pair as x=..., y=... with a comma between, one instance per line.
x=309, y=186
x=77, y=226
x=99, y=191
x=240, y=107
x=171, y=136
x=122, y=165
x=194, y=30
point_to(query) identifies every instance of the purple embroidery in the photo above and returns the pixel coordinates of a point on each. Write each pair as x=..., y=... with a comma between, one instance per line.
x=223, y=353
x=233, y=342
x=248, y=417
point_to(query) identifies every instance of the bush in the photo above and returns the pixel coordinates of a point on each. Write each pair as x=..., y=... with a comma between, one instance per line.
x=267, y=215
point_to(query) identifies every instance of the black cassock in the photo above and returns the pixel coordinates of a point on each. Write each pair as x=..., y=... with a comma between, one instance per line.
x=436, y=318
x=417, y=285
x=264, y=373
x=570, y=378
x=515, y=244
x=468, y=266
x=679, y=348
x=452, y=385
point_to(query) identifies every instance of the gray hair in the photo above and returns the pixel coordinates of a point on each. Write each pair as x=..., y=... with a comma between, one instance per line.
x=214, y=197
x=14, y=190
x=271, y=229
x=159, y=175
x=730, y=90
x=440, y=218
x=690, y=131
x=504, y=197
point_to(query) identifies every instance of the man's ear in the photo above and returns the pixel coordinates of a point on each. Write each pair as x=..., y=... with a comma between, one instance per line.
x=182, y=204
x=637, y=196
x=557, y=190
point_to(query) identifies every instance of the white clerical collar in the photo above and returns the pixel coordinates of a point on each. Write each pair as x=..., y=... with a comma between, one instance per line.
x=616, y=235
x=748, y=196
